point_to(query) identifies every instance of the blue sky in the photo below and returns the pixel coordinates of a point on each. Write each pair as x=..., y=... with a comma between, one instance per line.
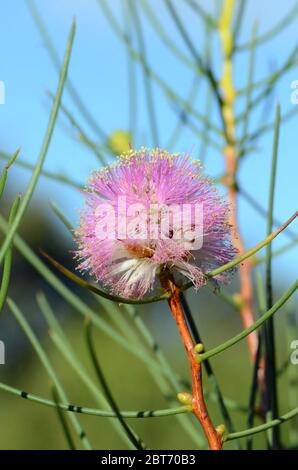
x=99, y=71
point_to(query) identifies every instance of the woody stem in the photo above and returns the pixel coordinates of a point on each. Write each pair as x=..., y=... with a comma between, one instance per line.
x=198, y=404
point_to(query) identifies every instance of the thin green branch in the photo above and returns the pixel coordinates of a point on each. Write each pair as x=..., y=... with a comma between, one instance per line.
x=49, y=316
x=146, y=74
x=182, y=116
x=249, y=89
x=63, y=421
x=132, y=79
x=45, y=146
x=205, y=69
x=61, y=216
x=56, y=62
x=262, y=427
x=238, y=22
x=253, y=250
x=272, y=32
x=283, y=249
x=270, y=354
x=291, y=338
x=74, y=362
x=256, y=366
x=253, y=393
x=168, y=91
x=227, y=344
x=82, y=136
x=204, y=139
x=87, y=285
x=93, y=411
x=10, y=162
x=270, y=82
x=159, y=28
x=60, y=178
x=8, y=257
x=263, y=129
x=202, y=13
x=48, y=367
x=71, y=355
x=135, y=440
x=186, y=38
x=209, y=92
x=253, y=202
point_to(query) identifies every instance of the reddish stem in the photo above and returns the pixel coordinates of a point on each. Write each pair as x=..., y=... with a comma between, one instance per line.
x=198, y=403
x=246, y=289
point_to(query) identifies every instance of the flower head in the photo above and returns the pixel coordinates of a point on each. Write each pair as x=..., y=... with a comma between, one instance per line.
x=149, y=212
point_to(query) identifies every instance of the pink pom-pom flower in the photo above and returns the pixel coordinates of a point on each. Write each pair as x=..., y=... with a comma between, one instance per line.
x=149, y=212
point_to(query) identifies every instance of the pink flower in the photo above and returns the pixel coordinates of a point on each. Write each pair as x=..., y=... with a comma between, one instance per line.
x=152, y=211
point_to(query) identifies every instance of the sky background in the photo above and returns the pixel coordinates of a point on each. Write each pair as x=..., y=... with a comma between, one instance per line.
x=99, y=71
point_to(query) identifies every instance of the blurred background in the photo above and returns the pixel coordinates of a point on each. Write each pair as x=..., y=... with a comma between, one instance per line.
x=112, y=88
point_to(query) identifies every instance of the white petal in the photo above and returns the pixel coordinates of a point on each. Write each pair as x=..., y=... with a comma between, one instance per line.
x=125, y=265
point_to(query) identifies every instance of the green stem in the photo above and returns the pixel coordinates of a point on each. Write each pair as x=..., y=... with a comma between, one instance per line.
x=270, y=353
x=146, y=74
x=227, y=344
x=249, y=90
x=60, y=178
x=238, y=22
x=81, y=133
x=8, y=257
x=253, y=202
x=253, y=250
x=3, y=177
x=263, y=427
x=132, y=80
x=280, y=26
x=168, y=91
x=93, y=411
x=63, y=421
x=56, y=62
x=48, y=367
x=135, y=440
x=291, y=337
x=206, y=18
x=290, y=63
x=205, y=70
x=86, y=285
x=45, y=146
x=61, y=216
